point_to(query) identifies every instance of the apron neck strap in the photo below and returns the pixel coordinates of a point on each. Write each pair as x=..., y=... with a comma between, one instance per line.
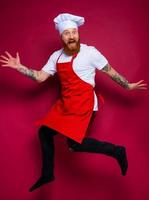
x=73, y=57
x=59, y=57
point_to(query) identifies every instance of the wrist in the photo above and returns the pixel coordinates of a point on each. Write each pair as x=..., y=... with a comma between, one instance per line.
x=128, y=86
x=19, y=67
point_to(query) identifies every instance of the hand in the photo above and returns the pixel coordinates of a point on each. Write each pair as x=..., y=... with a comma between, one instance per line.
x=10, y=61
x=139, y=85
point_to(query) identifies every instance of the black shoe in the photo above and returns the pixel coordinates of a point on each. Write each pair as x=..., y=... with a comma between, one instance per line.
x=121, y=157
x=41, y=181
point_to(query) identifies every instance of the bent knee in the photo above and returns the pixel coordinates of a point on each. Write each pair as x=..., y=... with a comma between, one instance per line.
x=72, y=145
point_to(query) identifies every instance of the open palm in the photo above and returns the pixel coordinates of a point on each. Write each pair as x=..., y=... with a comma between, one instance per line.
x=139, y=85
x=9, y=61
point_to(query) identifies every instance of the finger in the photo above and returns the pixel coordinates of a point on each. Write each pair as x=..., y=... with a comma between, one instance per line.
x=4, y=57
x=139, y=82
x=17, y=54
x=140, y=87
x=18, y=57
x=8, y=54
x=3, y=61
x=144, y=84
x=5, y=65
x=143, y=88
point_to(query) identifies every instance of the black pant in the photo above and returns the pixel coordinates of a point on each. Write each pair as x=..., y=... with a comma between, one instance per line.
x=46, y=136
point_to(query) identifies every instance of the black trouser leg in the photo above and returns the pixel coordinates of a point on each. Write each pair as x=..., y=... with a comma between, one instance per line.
x=46, y=136
x=92, y=145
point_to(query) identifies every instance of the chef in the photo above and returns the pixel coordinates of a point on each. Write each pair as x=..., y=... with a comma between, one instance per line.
x=72, y=114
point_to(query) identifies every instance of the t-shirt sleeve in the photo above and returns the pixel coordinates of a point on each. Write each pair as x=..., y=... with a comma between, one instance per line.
x=50, y=66
x=97, y=59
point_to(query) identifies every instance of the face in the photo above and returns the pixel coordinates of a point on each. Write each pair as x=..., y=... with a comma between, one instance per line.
x=71, y=41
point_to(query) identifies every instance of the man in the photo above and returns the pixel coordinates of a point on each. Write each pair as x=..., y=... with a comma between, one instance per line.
x=72, y=114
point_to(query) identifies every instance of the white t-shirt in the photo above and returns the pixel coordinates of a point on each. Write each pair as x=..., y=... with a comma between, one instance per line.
x=84, y=65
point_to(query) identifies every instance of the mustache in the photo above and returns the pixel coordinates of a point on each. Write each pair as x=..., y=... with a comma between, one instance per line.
x=71, y=41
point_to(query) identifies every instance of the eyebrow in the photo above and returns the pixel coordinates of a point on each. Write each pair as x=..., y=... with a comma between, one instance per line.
x=74, y=29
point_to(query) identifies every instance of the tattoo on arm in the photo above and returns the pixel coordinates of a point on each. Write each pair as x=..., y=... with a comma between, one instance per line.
x=116, y=76
x=120, y=80
x=107, y=68
x=28, y=72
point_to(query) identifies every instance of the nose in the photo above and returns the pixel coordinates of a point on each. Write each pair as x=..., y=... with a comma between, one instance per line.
x=71, y=36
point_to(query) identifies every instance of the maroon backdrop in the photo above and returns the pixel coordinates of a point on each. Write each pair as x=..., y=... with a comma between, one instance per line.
x=119, y=30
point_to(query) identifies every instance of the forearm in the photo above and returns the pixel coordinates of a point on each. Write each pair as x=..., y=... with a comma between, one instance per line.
x=15, y=63
x=116, y=76
x=119, y=79
x=33, y=74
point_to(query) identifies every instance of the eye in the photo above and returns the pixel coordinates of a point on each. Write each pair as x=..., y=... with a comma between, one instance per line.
x=66, y=33
x=74, y=32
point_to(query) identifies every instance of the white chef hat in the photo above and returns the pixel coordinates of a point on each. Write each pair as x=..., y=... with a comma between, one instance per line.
x=64, y=21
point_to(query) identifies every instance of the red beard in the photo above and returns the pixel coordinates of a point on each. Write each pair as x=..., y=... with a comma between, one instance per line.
x=71, y=47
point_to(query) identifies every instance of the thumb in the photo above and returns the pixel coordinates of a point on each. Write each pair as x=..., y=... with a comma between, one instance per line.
x=17, y=55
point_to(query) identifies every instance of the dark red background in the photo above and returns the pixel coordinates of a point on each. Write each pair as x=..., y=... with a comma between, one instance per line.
x=119, y=30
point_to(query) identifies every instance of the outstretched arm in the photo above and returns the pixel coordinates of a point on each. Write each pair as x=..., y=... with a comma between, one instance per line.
x=121, y=80
x=12, y=62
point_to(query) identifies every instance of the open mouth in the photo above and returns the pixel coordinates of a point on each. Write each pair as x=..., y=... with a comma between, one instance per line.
x=71, y=42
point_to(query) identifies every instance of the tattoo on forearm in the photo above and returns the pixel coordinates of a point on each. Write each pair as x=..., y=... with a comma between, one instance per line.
x=28, y=72
x=120, y=80
x=107, y=68
x=31, y=74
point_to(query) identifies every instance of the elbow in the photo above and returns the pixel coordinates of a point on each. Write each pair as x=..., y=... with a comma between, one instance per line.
x=39, y=80
x=42, y=76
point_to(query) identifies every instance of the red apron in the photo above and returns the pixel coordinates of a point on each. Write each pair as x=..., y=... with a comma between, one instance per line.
x=71, y=114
